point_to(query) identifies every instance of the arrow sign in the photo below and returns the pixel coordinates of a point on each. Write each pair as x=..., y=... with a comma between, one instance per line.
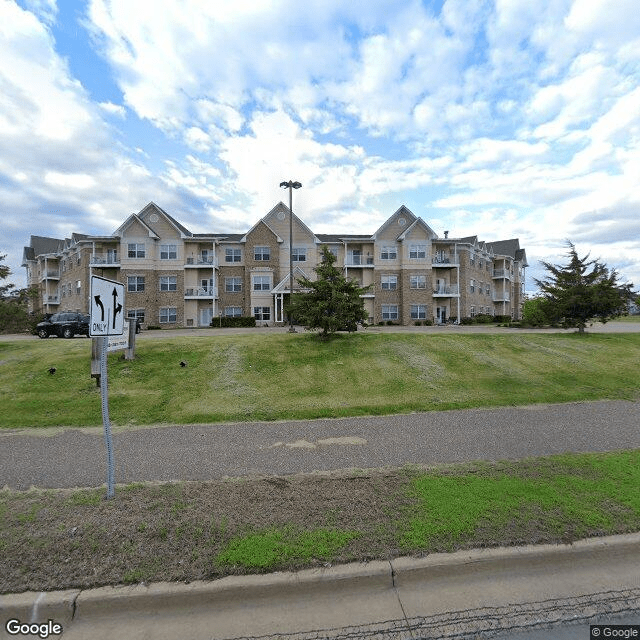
x=106, y=316
x=99, y=303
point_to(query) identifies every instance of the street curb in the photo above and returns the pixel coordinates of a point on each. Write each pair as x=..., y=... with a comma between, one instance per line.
x=380, y=575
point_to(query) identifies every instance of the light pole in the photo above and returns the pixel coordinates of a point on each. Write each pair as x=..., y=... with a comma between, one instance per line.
x=291, y=185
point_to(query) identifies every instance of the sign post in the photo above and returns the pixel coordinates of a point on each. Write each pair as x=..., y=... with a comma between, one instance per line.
x=106, y=318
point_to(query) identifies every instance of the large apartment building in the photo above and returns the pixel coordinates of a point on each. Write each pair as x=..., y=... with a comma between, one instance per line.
x=176, y=278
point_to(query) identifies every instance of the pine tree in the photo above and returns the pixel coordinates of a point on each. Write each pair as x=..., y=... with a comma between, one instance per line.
x=574, y=295
x=331, y=303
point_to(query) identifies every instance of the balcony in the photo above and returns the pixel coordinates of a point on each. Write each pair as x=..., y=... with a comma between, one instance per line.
x=51, y=274
x=447, y=290
x=502, y=273
x=108, y=260
x=501, y=297
x=51, y=299
x=358, y=261
x=201, y=293
x=200, y=263
x=442, y=262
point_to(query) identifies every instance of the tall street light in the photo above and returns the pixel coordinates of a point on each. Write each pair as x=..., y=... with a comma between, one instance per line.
x=291, y=185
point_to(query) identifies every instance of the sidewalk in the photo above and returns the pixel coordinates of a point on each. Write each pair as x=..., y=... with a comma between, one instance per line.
x=476, y=593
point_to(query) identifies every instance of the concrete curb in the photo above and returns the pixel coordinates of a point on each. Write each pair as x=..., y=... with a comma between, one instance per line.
x=84, y=605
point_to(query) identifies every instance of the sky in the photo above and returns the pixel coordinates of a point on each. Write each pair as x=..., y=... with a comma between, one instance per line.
x=497, y=118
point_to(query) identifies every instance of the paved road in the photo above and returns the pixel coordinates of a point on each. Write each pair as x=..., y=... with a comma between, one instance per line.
x=77, y=457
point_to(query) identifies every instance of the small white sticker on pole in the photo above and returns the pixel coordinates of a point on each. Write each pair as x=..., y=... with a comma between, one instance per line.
x=106, y=304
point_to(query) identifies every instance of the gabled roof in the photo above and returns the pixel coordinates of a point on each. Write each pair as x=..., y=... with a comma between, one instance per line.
x=179, y=227
x=403, y=210
x=257, y=224
x=339, y=238
x=509, y=248
x=134, y=217
x=283, y=285
x=418, y=222
x=281, y=206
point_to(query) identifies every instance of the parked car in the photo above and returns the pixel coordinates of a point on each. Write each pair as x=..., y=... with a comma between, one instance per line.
x=64, y=325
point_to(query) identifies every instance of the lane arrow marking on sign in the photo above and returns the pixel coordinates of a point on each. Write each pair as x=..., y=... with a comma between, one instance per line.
x=99, y=303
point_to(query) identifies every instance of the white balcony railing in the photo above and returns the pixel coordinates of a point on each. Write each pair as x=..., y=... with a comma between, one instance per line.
x=441, y=261
x=358, y=261
x=201, y=292
x=103, y=260
x=446, y=290
x=501, y=273
x=51, y=275
x=201, y=262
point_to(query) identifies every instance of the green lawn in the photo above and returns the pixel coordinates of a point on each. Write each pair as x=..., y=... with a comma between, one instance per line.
x=270, y=377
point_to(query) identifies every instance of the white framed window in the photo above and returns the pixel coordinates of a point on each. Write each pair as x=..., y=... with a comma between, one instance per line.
x=233, y=284
x=168, y=315
x=233, y=312
x=388, y=253
x=168, y=251
x=135, y=283
x=78, y=286
x=299, y=254
x=136, y=250
x=135, y=314
x=389, y=282
x=389, y=311
x=417, y=251
x=472, y=285
x=168, y=283
x=261, y=283
x=232, y=255
x=261, y=254
x=472, y=311
x=488, y=290
x=418, y=311
x=418, y=282
x=262, y=313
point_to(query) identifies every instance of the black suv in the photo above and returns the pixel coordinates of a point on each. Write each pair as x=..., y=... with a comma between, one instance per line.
x=64, y=325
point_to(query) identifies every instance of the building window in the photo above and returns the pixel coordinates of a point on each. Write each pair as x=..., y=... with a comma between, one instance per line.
x=418, y=311
x=232, y=255
x=389, y=311
x=136, y=314
x=388, y=253
x=262, y=313
x=78, y=286
x=233, y=312
x=418, y=282
x=299, y=254
x=472, y=285
x=168, y=251
x=262, y=283
x=261, y=254
x=472, y=311
x=418, y=251
x=233, y=285
x=488, y=290
x=135, y=283
x=168, y=315
x=168, y=283
x=135, y=250
x=389, y=282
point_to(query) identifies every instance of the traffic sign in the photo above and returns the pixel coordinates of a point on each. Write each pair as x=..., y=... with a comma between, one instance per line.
x=106, y=307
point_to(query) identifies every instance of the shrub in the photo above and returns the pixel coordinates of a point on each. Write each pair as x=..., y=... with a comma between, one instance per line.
x=483, y=318
x=418, y=323
x=468, y=320
x=428, y=323
x=227, y=323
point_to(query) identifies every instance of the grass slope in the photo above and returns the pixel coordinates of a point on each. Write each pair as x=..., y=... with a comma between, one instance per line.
x=58, y=539
x=280, y=376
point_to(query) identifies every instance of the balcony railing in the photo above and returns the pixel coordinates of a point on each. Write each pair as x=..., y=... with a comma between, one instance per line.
x=51, y=299
x=200, y=262
x=446, y=290
x=501, y=273
x=359, y=261
x=441, y=261
x=51, y=275
x=501, y=297
x=201, y=292
x=104, y=260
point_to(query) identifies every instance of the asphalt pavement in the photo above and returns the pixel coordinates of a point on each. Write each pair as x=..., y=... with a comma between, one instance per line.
x=77, y=457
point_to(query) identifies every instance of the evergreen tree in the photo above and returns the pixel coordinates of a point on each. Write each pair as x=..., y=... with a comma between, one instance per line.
x=331, y=303
x=14, y=312
x=581, y=291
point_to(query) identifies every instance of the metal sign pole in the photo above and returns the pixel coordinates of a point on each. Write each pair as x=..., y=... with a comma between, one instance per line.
x=105, y=415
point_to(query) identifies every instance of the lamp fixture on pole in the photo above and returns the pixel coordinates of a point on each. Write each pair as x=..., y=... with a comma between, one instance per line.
x=291, y=185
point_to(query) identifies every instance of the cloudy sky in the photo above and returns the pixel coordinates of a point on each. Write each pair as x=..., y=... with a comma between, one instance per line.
x=501, y=118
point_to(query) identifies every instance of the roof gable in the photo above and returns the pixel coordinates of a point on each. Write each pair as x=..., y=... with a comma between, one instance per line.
x=402, y=218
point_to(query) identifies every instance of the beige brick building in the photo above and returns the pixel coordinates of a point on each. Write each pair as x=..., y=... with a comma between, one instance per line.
x=175, y=278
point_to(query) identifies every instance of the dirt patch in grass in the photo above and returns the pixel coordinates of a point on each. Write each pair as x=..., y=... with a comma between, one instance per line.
x=57, y=539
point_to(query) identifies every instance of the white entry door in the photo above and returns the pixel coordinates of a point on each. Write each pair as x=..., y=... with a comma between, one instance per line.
x=206, y=316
